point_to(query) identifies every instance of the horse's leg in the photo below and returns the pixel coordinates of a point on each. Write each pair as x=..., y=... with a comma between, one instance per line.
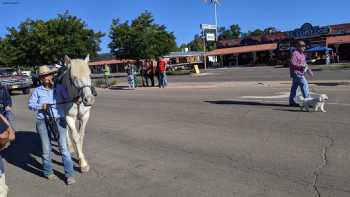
x=82, y=125
x=84, y=120
x=70, y=145
x=76, y=142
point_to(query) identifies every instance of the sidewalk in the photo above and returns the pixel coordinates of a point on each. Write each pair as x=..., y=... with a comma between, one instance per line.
x=231, y=84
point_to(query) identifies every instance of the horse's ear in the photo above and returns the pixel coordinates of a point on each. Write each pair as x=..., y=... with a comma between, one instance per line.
x=87, y=58
x=67, y=60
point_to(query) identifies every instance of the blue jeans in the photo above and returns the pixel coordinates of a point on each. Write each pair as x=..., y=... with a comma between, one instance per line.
x=10, y=116
x=62, y=144
x=162, y=79
x=131, y=81
x=298, y=81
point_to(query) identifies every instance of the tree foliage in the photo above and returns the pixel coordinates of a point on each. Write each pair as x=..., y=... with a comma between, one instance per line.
x=257, y=32
x=37, y=42
x=233, y=32
x=196, y=44
x=140, y=38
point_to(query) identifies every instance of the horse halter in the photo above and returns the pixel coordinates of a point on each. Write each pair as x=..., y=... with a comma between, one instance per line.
x=81, y=92
x=80, y=98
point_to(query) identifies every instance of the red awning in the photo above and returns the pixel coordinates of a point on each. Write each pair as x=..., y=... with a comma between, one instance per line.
x=338, y=39
x=109, y=62
x=243, y=49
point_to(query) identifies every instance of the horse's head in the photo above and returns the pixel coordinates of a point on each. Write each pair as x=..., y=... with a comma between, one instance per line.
x=79, y=72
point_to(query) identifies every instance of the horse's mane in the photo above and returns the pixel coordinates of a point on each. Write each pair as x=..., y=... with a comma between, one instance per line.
x=74, y=69
x=79, y=69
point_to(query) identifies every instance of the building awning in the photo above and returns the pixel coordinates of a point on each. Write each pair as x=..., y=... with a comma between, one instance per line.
x=243, y=49
x=319, y=49
x=109, y=62
x=184, y=54
x=338, y=39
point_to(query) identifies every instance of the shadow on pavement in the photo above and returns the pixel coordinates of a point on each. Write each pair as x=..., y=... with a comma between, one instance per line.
x=249, y=103
x=25, y=152
x=290, y=110
x=119, y=88
x=330, y=83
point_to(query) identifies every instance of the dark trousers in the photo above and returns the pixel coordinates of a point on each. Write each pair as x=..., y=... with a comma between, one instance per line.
x=151, y=77
x=145, y=80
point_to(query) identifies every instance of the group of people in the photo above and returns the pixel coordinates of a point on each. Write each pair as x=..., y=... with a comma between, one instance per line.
x=48, y=96
x=148, y=71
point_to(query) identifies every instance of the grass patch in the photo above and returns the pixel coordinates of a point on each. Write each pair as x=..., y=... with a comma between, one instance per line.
x=98, y=83
x=332, y=66
x=101, y=83
x=179, y=72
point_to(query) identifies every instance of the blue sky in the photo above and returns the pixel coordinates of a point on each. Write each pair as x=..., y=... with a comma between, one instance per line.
x=183, y=17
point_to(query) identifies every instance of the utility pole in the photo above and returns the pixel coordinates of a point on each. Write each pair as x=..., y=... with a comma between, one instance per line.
x=216, y=19
x=204, y=50
x=216, y=3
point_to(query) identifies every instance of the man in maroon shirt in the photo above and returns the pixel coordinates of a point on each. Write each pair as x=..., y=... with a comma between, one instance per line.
x=298, y=68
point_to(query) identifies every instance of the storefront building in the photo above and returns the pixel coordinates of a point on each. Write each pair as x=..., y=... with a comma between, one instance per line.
x=185, y=58
x=115, y=66
x=275, y=48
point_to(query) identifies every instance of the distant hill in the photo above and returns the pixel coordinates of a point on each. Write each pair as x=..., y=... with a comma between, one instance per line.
x=103, y=56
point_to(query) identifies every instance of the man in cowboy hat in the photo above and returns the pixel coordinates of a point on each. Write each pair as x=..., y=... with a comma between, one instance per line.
x=298, y=68
x=48, y=96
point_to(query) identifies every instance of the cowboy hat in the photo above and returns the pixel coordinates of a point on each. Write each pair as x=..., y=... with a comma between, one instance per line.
x=46, y=70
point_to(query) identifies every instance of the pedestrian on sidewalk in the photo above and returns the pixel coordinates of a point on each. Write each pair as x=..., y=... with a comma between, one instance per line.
x=107, y=74
x=44, y=98
x=131, y=68
x=298, y=68
x=161, y=69
x=144, y=75
x=151, y=72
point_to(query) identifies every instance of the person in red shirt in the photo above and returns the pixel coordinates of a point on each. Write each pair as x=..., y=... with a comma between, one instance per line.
x=162, y=72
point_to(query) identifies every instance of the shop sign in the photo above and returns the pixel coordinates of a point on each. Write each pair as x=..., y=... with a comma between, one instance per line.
x=210, y=36
x=207, y=26
x=307, y=30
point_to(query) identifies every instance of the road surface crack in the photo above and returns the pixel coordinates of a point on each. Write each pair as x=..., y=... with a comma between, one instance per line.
x=323, y=164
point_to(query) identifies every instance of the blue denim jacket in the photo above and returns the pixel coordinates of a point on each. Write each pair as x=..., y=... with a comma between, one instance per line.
x=41, y=96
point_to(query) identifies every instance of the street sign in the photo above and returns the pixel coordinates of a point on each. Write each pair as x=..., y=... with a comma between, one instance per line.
x=210, y=37
x=196, y=69
x=207, y=26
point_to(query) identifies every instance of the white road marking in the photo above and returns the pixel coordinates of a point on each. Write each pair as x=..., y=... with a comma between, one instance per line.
x=282, y=95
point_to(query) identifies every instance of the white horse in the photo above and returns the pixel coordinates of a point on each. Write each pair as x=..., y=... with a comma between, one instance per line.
x=76, y=78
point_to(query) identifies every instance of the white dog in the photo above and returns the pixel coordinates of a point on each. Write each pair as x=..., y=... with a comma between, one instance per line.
x=316, y=103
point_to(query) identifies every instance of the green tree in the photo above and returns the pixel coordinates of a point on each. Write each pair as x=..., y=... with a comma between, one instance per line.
x=233, y=32
x=37, y=42
x=257, y=32
x=270, y=30
x=196, y=44
x=140, y=39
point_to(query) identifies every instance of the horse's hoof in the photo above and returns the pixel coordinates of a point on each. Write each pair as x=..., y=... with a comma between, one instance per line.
x=85, y=169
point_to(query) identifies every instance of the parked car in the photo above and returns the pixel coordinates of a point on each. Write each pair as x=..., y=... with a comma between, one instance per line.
x=15, y=81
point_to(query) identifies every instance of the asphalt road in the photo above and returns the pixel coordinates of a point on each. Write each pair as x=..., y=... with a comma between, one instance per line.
x=197, y=142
